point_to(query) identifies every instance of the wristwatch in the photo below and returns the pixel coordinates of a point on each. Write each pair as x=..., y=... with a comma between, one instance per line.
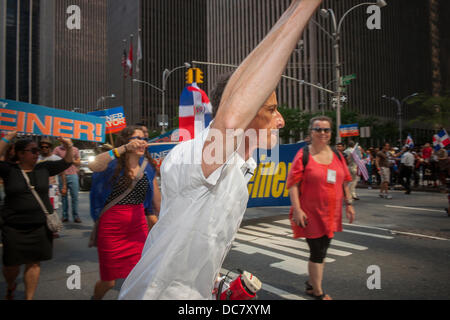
x=349, y=202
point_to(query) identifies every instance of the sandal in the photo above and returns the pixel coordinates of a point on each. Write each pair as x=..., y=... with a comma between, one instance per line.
x=309, y=291
x=10, y=293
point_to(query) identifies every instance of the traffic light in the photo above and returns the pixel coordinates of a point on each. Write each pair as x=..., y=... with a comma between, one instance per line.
x=198, y=76
x=190, y=76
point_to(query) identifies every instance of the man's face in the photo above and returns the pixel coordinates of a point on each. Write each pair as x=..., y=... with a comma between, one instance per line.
x=267, y=123
x=340, y=147
x=145, y=131
x=387, y=147
x=45, y=149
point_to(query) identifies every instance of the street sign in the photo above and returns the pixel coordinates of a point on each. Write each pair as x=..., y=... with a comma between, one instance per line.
x=349, y=77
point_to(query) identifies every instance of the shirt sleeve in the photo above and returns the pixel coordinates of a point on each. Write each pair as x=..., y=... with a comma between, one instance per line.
x=55, y=167
x=296, y=174
x=5, y=167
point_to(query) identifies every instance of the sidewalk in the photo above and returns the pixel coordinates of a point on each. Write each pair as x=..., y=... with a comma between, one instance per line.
x=439, y=189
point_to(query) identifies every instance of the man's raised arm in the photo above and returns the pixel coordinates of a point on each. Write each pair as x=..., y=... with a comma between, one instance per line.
x=257, y=78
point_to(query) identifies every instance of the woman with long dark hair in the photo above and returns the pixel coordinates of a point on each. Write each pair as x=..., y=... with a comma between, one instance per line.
x=122, y=227
x=25, y=235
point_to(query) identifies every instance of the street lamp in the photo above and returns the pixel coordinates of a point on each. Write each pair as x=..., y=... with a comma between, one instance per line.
x=399, y=106
x=113, y=96
x=166, y=75
x=336, y=36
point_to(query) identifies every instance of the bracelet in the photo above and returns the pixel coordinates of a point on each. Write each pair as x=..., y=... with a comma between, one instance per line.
x=116, y=153
x=111, y=154
x=6, y=140
x=348, y=202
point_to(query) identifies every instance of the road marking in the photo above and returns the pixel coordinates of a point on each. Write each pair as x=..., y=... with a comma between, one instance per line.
x=292, y=243
x=369, y=234
x=412, y=208
x=401, y=232
x=266, y=287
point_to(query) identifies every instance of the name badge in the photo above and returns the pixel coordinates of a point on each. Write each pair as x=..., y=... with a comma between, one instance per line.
x=331, y=177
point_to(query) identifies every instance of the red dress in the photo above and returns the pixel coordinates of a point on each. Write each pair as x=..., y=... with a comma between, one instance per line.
x=320, y=200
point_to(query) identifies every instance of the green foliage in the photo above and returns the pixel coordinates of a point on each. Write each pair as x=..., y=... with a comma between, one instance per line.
x=433, y=112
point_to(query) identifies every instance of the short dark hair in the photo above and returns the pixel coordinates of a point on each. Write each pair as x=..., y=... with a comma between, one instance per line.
x=217, y=92
x=351, y=144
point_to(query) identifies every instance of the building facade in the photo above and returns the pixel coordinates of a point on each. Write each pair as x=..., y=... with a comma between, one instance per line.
x=385, y=61
x=172, y=32
x=47, y=63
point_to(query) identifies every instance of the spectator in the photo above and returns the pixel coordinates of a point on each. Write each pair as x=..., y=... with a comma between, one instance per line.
x=353, y=168
x=383, y=168
x=314, y=215
x=72, y=182
x=406, y=168
x=25, y=235
x=46, y=149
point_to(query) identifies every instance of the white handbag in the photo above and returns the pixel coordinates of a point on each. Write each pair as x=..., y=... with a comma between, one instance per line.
x=54, y=224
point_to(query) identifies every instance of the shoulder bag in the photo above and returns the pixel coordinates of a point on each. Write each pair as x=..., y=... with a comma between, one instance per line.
x=93, y=237
x=53, y=222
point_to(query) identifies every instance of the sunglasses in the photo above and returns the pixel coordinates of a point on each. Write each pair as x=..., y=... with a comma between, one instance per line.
x=33, y=151
x=45, y=147
x=138, y=138
x=324, y=130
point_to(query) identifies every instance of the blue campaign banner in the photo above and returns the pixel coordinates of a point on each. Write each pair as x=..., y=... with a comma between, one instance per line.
x=34, y=119
x=115, y=119
x=267, y=188
x=160, y=151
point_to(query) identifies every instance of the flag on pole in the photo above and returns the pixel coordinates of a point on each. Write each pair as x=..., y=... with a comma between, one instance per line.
x=441, y=140
x=139, y=53
x=361, y=165
x=130, y=59
x=124, y=63
x=195, y=112
x=410, y=142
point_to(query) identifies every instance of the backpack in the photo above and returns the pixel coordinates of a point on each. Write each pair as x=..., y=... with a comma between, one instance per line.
x=306, y=155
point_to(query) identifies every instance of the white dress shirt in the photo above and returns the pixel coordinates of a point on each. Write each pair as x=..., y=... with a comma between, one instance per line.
x=198, y=221
x=408, y=159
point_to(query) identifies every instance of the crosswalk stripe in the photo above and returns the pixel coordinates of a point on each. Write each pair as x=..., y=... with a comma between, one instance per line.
x=292, y=243
x=335, y=242
x=369, y=234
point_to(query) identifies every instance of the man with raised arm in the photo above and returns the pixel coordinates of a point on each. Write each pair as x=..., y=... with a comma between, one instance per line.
x=204, y=181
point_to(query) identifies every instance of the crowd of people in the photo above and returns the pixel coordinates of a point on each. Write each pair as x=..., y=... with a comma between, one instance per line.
x=410, y=167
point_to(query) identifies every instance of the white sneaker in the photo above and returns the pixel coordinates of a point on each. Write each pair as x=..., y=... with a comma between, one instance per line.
x=388, y=197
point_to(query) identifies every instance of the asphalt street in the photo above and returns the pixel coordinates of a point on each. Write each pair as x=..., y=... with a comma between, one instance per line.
x=396, y=249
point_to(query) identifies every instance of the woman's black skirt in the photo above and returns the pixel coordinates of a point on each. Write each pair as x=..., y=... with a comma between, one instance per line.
x=25, y=244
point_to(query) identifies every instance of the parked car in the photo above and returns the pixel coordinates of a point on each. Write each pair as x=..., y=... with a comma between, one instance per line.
x=84, y=173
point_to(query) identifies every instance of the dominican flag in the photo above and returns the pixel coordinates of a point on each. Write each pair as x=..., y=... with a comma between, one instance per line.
x=410, y=142
x=441, y=140
x=195, y=112
x=361, y=165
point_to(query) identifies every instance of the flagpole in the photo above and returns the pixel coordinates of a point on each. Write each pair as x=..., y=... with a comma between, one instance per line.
x=131, y=76
x=124, y=75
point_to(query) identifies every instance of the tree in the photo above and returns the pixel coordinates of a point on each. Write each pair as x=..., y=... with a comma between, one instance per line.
x=432, y=111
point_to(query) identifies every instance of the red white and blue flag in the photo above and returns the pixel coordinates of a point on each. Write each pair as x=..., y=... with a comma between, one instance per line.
x=441, y=140
x=360, y=163
x=195, y=112
x=410, y=142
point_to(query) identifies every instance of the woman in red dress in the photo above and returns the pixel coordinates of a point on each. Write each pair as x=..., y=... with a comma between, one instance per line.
x=317, y=193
